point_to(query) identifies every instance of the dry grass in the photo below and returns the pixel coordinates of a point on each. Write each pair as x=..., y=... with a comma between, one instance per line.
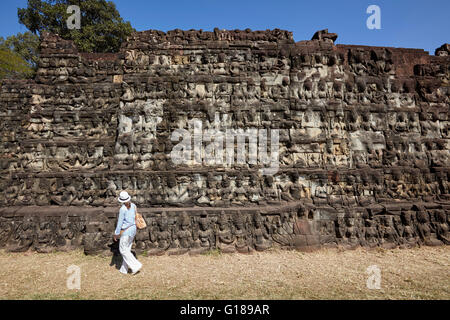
x=421, y=273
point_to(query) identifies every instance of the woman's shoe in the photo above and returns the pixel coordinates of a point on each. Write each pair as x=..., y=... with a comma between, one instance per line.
x=137, y=271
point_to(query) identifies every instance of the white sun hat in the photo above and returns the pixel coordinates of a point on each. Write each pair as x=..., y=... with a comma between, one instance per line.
x=124, y=197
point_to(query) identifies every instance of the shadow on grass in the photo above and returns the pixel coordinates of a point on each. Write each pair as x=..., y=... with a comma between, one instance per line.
x=116, y=259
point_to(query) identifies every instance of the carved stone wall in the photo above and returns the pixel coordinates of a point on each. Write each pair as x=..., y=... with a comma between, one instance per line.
x=364, y=144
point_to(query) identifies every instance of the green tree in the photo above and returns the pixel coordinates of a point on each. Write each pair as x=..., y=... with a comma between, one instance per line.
x=13, y=65
x=102, y=28
x=26, y=45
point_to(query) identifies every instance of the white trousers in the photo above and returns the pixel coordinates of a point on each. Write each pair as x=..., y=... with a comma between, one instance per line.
x=129, y=261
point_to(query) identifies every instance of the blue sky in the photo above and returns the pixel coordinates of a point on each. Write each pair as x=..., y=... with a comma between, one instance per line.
x=409, y=24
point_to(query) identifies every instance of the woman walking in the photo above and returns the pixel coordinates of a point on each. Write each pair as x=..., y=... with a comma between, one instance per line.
x=126, y=231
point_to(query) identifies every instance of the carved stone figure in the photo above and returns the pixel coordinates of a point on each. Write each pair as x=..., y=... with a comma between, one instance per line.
x=424, y=228
x=162, y=236
x=388, y=235
x=225, y=239
x=407, y=231
x=204, y=238
x=241, y=234
x=261, y=237
x=182, y=238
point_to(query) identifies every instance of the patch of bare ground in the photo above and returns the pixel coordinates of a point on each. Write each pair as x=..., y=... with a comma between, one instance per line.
x=420, y=273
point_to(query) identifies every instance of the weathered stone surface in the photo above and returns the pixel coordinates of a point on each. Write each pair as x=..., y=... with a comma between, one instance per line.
x=443, y=50
x=325, y=36
x=363, y=139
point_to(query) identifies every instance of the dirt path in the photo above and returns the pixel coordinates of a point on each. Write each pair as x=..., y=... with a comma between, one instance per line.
x=421, y=273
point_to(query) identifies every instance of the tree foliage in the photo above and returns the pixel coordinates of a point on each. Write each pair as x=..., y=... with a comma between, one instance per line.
x=26, y=45
x=13, y=65
x=102, y=28
x=19, y=55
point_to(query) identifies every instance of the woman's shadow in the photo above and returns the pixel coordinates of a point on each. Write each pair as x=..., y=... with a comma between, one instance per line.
x=116, y=259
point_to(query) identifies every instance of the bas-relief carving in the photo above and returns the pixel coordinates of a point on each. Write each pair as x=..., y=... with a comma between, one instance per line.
x=359, y=127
